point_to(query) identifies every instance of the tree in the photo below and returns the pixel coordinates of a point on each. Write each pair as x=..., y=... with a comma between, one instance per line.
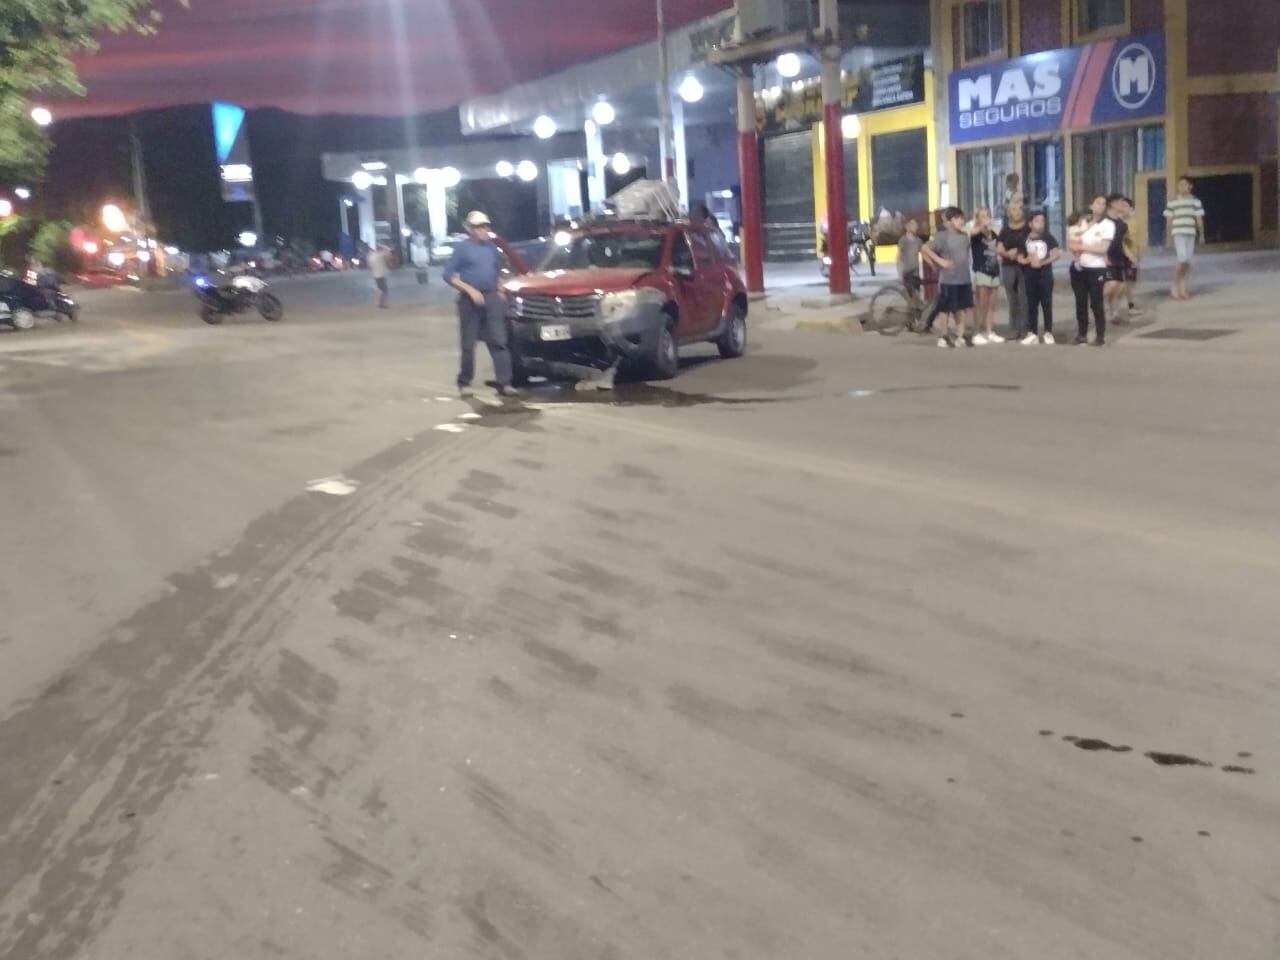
x=51, y=245
x=37, y=40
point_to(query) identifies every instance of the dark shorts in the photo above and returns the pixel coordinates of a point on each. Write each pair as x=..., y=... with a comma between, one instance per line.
x=955, y=298
x=381, y=284
x=912, y=282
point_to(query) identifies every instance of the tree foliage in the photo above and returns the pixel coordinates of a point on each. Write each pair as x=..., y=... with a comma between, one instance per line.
x=37, y=41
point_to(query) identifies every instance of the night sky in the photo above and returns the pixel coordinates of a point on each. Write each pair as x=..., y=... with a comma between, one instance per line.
x=373, y=57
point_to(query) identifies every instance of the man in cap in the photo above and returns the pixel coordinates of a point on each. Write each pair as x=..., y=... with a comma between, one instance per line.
x=475, y=270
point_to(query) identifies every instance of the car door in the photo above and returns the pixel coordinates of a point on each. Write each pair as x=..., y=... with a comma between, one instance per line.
x=708, y=282
x=685, y=280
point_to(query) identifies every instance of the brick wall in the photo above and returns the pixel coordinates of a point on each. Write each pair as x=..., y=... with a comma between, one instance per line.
x=1042, y=25
x=1232, y=128
x=1232, y=36
x=1149, y=14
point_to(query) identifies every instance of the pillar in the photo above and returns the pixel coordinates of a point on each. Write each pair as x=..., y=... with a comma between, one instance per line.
x=749, y=169
x=681, y=154
x=367, y=232
x=398, y=240
x=595, y=167
x=437, y=210
x=833, y=152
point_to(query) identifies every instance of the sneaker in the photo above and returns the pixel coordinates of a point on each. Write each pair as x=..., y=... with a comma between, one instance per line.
x=506, y=390
x=950, y=341
x=1082, y=341
x=1048, y=339
x=942, y=342
x=968, y=340
x=1030, y=339
x=465, y=391
x=979, y=340
x=994, y=338
x=1099, y=342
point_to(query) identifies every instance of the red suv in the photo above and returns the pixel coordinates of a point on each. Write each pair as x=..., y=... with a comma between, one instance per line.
x=627, y=291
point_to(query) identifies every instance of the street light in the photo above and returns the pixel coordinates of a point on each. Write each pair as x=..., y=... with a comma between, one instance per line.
x=603, y=113
x=41, y=116
x=113, y=218
x=527, y=171
x=789, y=65
x=361, y=180
x=544, y=127
x=505, y=169
x=248, y=239
x=22, y=193
x=691, y=91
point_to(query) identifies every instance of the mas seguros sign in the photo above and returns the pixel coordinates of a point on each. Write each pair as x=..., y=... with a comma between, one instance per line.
x=1110, y=81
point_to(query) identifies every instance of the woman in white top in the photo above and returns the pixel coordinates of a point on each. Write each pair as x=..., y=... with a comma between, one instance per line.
x=1089, y=272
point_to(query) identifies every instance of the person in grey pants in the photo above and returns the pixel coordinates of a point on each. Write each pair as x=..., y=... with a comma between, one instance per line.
x=1012, y=245
x=475, y=271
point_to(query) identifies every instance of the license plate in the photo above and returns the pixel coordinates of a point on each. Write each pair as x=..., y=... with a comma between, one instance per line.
x=555, y=331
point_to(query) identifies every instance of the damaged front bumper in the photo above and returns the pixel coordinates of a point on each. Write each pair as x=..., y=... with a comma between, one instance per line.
x=625, y=326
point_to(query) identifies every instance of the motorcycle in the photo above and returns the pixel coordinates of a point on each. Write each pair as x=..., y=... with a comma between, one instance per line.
x=861, y=247
x=21, y=302
x=239, y=295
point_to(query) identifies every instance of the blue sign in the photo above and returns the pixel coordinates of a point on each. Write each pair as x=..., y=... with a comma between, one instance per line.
x=232, y=143
x=227, y=121
x=1111, y=81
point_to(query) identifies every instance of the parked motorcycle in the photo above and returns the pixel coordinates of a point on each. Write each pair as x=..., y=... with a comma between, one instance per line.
x=239, y=294
x=22, y=302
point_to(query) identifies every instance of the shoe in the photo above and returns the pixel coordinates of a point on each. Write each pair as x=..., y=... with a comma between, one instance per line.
x=994, y=338
x=506, y=390
x=1082, y=341
x=1048, y=339
x=968, y=340
x=978, y=340
x=942, y=342
x=1030, y=339
x=465, y=391
x=950, y=341
x=1099, y=342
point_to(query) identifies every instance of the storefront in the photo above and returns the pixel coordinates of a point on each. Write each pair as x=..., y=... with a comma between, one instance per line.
x=890, y=153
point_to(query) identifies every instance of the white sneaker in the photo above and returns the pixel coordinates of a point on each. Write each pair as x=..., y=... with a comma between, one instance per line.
x=942, y=342
x=994, y=338
x=1030, y=339
x=1048, y=339
x=979, y=339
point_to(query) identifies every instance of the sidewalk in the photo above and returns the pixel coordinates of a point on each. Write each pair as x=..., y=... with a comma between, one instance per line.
x=1232, y=293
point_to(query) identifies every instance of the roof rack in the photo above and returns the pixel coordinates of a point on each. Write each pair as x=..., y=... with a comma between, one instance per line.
x=646, y=200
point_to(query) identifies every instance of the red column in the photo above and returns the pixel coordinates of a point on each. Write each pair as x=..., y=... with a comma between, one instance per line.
x=833, y=152
x=749, y=166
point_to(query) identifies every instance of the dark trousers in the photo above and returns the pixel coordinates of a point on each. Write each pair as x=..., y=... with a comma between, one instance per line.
x=1039, y=286
x=487, y=323
x=1016, y=291
x=1088, y=285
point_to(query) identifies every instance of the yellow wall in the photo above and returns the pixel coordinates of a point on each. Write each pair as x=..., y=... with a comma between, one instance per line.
x=914, y=117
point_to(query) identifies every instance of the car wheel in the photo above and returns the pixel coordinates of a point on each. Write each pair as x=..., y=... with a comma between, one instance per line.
x=23, y=319
x=733, y=342
x=665, y=362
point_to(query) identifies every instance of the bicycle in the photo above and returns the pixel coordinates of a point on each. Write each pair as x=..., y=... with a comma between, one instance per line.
x=894, y=309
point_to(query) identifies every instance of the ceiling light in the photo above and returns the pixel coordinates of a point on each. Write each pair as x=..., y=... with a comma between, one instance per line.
x=691, y=91
x=621, y=164
x=850, y=126
x=361, y=180
x=789, y=65
x=450, y=177
x=603, y=113
x=544, y=127
x=527, y=171
x=505, y=169
x=374, y=165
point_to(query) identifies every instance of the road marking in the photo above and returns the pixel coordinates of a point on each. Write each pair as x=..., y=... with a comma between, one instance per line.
x=451, y=428
x=333, y=486
x=469, y=416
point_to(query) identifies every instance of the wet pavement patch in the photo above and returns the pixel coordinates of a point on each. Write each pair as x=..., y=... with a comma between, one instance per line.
x=1159, y=757
x=1186, y=333
x=1175, y=759
x=1233, y=768
x=1089, y=743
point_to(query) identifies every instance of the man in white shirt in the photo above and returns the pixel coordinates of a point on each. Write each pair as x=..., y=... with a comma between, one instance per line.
x=1094, y=247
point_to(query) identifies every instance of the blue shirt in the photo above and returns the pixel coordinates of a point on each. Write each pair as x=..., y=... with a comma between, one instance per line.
x=476, y=263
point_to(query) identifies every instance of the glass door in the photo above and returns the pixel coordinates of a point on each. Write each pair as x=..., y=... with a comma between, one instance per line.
x=982, y=177
x=1044, y=178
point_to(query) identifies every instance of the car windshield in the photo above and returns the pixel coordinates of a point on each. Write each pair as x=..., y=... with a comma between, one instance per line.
x=632, y=251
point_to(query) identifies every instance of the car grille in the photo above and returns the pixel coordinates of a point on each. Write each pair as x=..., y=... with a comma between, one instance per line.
x=541, y=308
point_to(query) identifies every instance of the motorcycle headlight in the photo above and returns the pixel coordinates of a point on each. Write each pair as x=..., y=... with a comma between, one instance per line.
x=615, y=305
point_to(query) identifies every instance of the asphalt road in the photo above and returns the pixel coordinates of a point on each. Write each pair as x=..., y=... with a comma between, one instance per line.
x=849, y=648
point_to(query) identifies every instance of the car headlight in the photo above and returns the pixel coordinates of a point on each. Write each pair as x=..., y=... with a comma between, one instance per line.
x=615, y=305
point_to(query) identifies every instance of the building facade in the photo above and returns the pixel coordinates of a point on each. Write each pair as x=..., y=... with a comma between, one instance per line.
x=1081, y=97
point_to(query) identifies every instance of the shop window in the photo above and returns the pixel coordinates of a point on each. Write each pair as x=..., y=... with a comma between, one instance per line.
x=899, y=179
x=1098, y=16
x=1107, y=161
x=983, y=177
x=982, y=27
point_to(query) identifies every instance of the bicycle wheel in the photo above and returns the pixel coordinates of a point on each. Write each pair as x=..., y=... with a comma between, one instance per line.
x=891, y=311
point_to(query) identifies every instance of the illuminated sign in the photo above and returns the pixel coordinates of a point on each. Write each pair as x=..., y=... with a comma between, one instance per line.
x=231, y=140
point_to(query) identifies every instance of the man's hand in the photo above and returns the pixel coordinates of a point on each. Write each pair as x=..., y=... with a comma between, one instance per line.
x=946, y=264
x=476, y=297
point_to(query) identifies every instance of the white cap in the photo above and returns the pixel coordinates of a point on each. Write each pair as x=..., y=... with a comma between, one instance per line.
x=477, y=219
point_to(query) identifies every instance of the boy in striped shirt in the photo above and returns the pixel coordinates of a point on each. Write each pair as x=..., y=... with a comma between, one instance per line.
x=1185, y=214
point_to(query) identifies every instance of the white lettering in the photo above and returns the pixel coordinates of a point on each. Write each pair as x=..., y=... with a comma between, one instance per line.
x=1013, y=86
x=1133, y=76
x=1048, y=80
x=974, y=91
